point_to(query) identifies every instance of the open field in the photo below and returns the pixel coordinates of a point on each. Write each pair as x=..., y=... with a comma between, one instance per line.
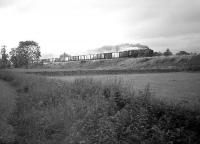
x=100, y=109
x=180, y=87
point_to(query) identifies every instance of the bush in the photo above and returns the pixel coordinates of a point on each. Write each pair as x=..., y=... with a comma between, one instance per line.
x=194, y=63
x=83, y=61
x=167, y=53
x=4, y=64
x=157, y=54
x=182, y=53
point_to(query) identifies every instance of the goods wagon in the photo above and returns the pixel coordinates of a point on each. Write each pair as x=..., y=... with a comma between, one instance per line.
x=107, y=55
x=66, y=58
x=133, y=53
x=73, y=58
x=123, y=54
x=82, y=57
x=92, y=56
x=69, y=58
x=100, y=56
x=115, y=55
x=145, y=52
x=95, y=56
x=76, y=58
x=87, y=57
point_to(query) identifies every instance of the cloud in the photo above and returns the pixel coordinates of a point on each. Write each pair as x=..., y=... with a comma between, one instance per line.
x=164, y=18
x=6, y=3
x=77, y=25
x=188, y=43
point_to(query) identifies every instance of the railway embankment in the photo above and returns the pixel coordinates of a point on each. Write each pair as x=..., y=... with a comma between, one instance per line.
x=119, y=66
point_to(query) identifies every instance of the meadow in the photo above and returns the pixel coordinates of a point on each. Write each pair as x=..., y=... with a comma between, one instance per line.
x=180, y=87
x=91, y=110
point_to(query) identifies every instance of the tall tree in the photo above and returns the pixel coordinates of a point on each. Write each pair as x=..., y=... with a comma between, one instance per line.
x=13, y=58
x=4, y=58
x=4, y=55
x=27, y=53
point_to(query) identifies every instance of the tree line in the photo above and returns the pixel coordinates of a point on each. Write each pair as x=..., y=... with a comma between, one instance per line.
x=169, y=53
x=26, y=54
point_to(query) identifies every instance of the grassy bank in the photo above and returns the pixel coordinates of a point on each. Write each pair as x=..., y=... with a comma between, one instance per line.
x=88, y=111
x=161, y=62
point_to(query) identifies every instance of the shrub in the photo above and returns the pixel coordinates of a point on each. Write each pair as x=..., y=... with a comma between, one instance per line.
x=167, y=53
x=157, y=54
x=182, y=53
x=194, y=63
x=83, y=61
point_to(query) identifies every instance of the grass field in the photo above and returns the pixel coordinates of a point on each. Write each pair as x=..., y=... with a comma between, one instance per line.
x=121, y=101
x=98, y=110
x=7, y=104
x=180, y=87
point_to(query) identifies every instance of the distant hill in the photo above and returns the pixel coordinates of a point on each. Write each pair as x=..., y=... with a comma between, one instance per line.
x=117, y=48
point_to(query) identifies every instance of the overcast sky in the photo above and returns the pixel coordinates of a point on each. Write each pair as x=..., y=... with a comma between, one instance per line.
x=75, y=26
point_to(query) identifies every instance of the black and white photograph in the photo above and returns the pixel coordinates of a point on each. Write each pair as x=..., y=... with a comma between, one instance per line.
x=99, y=71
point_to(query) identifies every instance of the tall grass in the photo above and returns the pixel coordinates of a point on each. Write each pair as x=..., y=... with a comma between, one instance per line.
x=87, y=111
x=7, y=103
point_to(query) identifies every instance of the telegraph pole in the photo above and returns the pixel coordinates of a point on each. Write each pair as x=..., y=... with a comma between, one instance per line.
x=3, y=51
x=3, y=46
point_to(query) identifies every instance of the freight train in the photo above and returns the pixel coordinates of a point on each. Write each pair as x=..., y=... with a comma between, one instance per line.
x=123, y=54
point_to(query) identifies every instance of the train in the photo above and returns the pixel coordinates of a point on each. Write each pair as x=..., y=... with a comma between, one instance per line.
x=147, y=52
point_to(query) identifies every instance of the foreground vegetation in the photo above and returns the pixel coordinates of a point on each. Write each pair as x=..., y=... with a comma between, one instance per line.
x=49, y=111
x=7, y=104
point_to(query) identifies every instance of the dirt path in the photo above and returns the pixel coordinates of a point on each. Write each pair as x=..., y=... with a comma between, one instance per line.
x=7, y=104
